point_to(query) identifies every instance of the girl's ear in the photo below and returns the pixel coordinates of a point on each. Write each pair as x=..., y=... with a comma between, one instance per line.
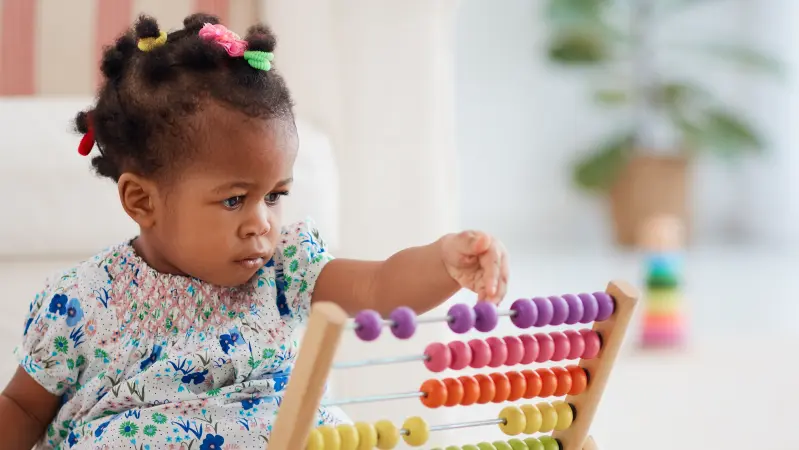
x=138, y=196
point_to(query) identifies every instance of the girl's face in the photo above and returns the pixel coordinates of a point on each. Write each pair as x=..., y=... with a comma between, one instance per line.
x=220, y=219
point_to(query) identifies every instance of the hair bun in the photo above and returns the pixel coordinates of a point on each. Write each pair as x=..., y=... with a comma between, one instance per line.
x=147, y=27
x=82, y=122
x=196, y=21
x=260, y=37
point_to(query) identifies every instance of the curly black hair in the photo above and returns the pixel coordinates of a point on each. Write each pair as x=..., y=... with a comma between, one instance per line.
x=139, y=117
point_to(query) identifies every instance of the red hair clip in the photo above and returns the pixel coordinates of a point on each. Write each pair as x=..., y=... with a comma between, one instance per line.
x=87, y=142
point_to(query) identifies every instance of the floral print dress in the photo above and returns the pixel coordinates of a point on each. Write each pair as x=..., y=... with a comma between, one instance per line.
x=145, y=360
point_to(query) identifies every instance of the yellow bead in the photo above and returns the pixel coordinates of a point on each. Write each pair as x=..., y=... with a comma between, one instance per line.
x=315, y=441
x=349, y=437
x=515, y=422
x=388, y=435
x=533, y=417
x=418, y=431
x=565, y=415
x=330, y=437
x=367, y=436
x=549, y=417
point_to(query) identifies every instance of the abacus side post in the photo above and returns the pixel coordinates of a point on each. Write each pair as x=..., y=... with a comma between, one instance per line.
x=307, y=381
x=612, y=333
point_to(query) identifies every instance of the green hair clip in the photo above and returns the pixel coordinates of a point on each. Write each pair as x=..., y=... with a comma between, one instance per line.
x=259, y=60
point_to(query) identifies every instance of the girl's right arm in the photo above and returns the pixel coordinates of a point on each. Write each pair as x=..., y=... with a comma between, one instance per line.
x=26, y=409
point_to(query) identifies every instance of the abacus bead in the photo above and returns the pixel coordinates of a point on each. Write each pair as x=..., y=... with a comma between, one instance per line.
x=466, y=447
x=533, y=419
x=534, y=444
x=461, y=355
x=501, y=445
x=330, y=437
x=534, y=383
x=590, y=308
x=367, y=435
x=461, y=318
x=576, y=344
x=579, y=379
x=315, y=441
x=606, y=306
x=481, y=353
x=487, y=389
x=515, y=350
x=525, y=311
x=435, y=393
x=592, y=343
x=545, y=311
x=549, y=382
x=518, y=386
x=517, y=444
x=454, y=391
x=486, y=317
x=549, y=417
x=486, y=446
x=575, y=309
x=549, y=443
x=562, y=346
x=388, y=435
x=368, y=324
x=514, y=421
x=546, y=347
x=471, y=390
x=418, y=431
x=564, y=381
x=565, y=415
x=560, y=310
x=501, y=387
x=349, y=437
x=530, y=344
x=438, y=357
x=499, y=351
x=404, y=322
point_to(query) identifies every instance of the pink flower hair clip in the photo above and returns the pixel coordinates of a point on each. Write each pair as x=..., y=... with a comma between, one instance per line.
x=236, y=47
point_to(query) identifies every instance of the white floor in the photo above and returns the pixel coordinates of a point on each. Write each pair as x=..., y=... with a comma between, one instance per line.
x=733, y=389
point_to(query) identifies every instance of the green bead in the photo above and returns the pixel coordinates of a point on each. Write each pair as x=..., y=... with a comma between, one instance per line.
x=549, y=443
x=502, y=445
x=534, y=444
x=486, y=446
x=467, y=447
x=517, y=444
x=453, y=447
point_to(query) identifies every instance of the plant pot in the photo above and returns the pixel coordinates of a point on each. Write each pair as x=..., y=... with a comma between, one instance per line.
x=649, y=186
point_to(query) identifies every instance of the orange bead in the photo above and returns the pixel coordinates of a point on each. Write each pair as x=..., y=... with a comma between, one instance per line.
x=487, y=389
x=435, y=393
x=534, y=383
x=501, y=387
x=564, y=381
x=549, y=382
x=518, y=385
x=471, y=390
x=454, y=391
x=579, y=379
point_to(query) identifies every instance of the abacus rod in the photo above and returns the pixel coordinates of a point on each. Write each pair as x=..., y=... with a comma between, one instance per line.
x=379, y=361
x=374, y=398
x=479, y=423
x=430, y=319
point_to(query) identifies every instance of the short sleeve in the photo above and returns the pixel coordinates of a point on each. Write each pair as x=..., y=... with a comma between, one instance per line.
x=301, y=255
x=53, y=336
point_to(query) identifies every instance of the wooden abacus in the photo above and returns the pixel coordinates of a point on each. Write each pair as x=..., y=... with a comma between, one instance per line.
x=569, y=420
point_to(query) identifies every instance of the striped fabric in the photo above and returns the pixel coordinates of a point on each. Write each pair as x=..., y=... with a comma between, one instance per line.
x=53, y=47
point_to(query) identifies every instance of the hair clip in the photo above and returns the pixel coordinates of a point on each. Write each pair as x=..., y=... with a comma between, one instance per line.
x=235, y=46
x=87, y=141
x=149, y=43
x=259, y=60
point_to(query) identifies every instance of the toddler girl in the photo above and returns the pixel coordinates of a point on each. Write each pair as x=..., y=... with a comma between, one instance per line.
x=184, y=337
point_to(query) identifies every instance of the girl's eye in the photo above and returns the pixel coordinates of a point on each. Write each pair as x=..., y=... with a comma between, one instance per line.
x=233, y=202
x=274, y=198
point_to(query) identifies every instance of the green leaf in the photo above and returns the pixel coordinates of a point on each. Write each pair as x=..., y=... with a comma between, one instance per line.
x=598, y=170
x=579, y=46
x=741, y=55
x=720, y=131
x=612, y=96
x=570, y=12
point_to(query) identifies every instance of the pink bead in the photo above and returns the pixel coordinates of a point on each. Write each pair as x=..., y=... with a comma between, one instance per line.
x=576, y=344
x=515, y=350
x=530, y=349
x=499, y=351
x=562, y=345
x=481, y=353
x=592, y=343
x=546, y=347
x=438, y=357
x=461, y=355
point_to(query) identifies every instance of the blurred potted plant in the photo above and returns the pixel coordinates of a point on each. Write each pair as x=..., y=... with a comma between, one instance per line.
x=643, y=175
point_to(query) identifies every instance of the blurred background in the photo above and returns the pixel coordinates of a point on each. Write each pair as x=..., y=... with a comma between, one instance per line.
x=599, y=139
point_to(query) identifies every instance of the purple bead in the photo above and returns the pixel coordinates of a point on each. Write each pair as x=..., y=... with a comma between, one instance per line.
x=590, y=308
x=606, y=305
x=545, y=311
x=403, y=322
x=369, y=324
x=575, y=309
x=461, y=318
x=486, y=317
x=560, y=310
x=526, y=313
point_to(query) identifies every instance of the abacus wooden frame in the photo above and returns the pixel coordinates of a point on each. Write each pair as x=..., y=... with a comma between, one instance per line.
x=327, y=321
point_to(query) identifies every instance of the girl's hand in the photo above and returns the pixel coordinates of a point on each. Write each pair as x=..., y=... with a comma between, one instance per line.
x=478, y=262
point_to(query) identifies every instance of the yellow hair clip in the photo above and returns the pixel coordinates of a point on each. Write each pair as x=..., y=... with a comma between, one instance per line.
x=147, y=44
